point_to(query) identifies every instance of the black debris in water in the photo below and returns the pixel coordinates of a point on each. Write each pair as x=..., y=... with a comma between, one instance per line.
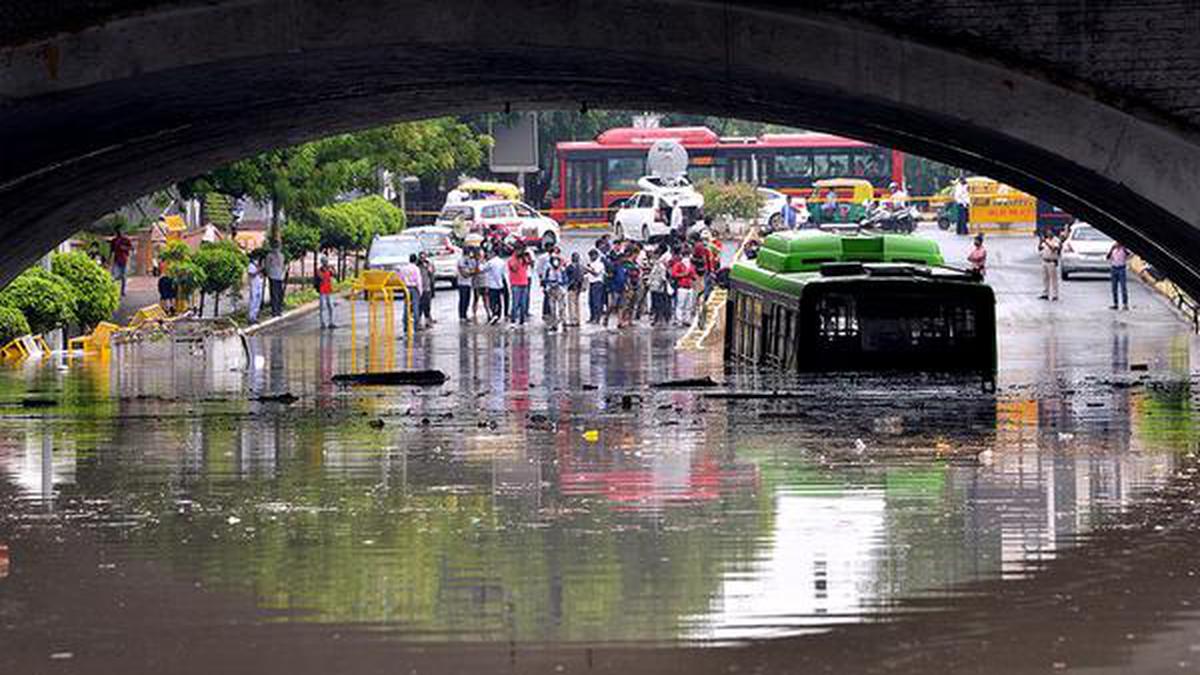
x=686, y=383
x=38, y=402
x=286, y=398
x=422, y=378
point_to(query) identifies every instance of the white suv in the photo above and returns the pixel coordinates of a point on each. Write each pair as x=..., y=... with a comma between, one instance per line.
x=647, y=214
x=514, y=218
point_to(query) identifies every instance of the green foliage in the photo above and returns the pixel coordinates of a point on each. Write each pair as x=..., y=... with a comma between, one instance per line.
x=46, y=299
x=733, y=200
x=384, y=216
x=188, y=277
x=12, y=324
x=175, y=251
x=299, y=238
x=224, y=265
x=218, y=209
x=96, y=294
x=352, y=225
x=303, y=178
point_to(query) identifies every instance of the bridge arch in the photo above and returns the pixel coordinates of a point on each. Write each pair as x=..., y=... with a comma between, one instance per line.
x=96, y=109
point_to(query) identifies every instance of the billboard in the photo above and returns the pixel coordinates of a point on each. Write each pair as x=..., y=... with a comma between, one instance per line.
x=516, y=144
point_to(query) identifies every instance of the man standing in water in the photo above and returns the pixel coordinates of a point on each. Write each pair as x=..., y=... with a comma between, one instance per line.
x=1118, y=257
x=275, y=272
x=1049, y=248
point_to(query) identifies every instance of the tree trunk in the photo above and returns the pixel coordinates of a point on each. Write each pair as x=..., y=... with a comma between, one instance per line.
x=274, y=236
x=201, y=304
x=216, y=305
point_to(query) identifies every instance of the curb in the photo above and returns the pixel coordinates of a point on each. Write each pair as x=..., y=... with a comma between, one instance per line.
x=282, y=319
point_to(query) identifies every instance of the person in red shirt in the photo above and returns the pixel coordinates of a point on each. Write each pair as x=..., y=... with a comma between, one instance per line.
x=518, y=279
x=684, y=275
x=325, y=288
x=120, y=246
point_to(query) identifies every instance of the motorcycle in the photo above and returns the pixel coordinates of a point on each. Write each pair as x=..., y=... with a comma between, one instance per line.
x=888, y=218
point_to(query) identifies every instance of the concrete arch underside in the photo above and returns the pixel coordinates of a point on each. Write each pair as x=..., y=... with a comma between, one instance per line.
x=96, y=116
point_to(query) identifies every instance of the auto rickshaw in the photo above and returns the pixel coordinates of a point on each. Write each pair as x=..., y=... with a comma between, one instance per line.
x=847, y=206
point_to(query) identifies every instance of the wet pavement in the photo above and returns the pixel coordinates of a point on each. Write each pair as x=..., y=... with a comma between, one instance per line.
x=547, y=510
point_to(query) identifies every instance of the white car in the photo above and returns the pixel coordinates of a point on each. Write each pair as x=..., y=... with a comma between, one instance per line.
x=1085, y=251
x=391, y=251
x=513, y=218
x=771, y=216
x=647, y=215
x=437, y=243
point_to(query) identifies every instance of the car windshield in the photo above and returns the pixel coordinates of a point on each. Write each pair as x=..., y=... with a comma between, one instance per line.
x=1089, y=234
x=433, y=242
x=395, y=248
x=452, y=212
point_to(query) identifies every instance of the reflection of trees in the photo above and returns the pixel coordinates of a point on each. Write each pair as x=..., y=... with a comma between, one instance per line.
x=418, y=539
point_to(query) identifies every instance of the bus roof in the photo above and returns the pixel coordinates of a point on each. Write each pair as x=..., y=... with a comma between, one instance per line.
x=808, y=250
x=703, y=137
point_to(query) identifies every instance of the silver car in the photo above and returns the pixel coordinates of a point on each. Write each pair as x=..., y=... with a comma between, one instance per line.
x=1085, y=251
x=438, y=244
x=392, y=251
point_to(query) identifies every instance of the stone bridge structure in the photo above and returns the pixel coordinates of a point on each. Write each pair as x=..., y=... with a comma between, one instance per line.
x=1091, y=104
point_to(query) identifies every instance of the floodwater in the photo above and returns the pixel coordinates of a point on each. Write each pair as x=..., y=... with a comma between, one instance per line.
x=547, y=510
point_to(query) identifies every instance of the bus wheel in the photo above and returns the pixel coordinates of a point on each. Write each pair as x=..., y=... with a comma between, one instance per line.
x=775, y=221
x=548, y=240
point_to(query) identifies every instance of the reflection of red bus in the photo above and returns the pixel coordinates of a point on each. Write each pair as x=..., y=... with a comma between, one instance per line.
x=591, y=176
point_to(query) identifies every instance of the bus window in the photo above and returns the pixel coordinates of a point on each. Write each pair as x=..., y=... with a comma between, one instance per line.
x=831, y=165
x=871, y=164
x=624, y=172
x=793, y=165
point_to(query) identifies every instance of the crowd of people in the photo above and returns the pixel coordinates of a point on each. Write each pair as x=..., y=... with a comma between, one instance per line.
x=621, y=281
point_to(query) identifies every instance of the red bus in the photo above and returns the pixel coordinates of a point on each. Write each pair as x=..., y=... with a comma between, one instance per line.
x=591, y=177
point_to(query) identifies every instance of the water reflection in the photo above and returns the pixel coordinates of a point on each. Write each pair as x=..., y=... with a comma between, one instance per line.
x=546, y=495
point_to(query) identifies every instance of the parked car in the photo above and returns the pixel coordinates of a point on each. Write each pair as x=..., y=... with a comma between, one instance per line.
x=391, y=251
x=438, y=244
x=771, y=215
x=647, y=215
x=513, y=218
x=1084, y=251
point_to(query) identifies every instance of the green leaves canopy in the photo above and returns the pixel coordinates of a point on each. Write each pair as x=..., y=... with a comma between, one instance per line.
x=96, y=294
x=46, y=299
x=12, y=324
x=224, y=265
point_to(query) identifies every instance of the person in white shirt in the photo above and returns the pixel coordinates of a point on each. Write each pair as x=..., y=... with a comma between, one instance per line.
x=899, y=197
x=593, y=276
x=962, y=201
x=494, y=272
x=677, y=219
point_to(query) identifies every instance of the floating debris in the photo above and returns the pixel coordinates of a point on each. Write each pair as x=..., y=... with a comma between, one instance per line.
x=686, y=383
x=423, y=378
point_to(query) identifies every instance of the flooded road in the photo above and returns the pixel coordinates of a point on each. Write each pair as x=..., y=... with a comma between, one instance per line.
x=548, y=510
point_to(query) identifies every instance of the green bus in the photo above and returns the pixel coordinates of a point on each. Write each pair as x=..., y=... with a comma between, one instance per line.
x=819, y=302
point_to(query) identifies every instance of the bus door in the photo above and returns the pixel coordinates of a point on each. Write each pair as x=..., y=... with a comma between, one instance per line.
x=742, y=169
x=585, y=190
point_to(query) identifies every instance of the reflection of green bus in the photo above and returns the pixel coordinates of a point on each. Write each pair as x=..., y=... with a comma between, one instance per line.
x=813, y=301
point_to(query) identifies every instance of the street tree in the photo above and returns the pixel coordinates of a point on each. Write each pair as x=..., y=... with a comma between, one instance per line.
x=224, y=265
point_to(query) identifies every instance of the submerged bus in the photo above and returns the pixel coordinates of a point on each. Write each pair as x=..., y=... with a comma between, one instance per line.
x=817, y=302
x=592, y=177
